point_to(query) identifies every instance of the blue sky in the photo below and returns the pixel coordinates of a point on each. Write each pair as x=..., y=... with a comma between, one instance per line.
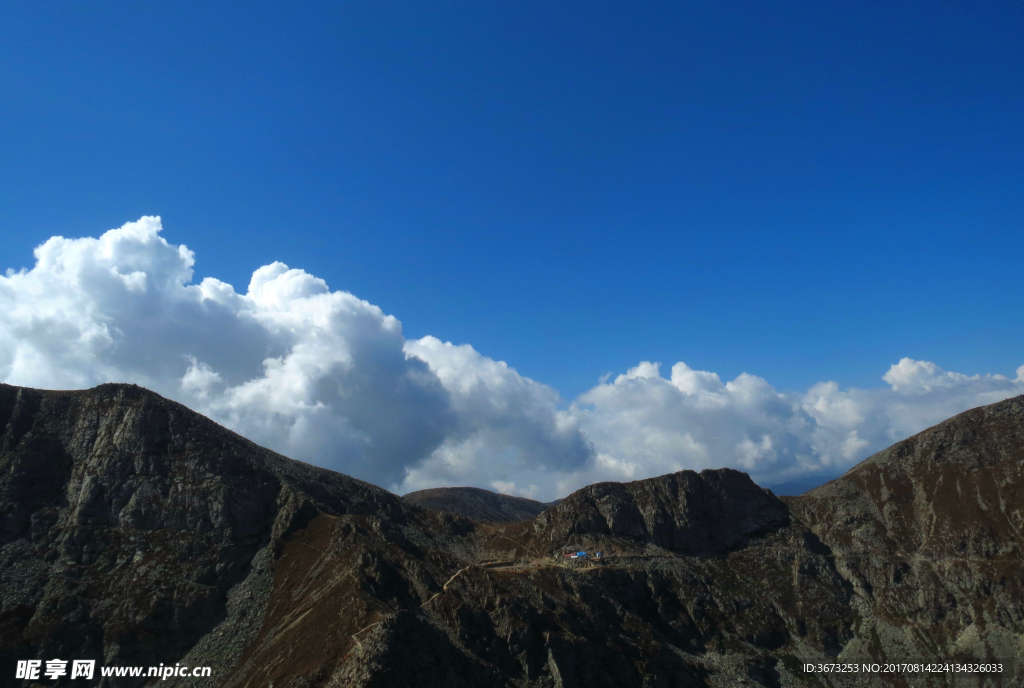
x=803, y=191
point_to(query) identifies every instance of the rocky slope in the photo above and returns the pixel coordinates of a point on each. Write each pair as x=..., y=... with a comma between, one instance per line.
x=478, y=504
x=707, y=513
x=928, y=533
x=135, y=532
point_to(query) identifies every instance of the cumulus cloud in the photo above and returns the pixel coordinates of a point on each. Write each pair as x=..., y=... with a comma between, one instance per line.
x=644, y=424
x=328, y=378
x=510, y=435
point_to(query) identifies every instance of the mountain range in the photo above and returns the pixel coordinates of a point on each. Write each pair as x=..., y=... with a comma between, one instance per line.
x=134, y=531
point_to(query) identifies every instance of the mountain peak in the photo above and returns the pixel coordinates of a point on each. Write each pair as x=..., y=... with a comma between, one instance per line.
x=686, y=512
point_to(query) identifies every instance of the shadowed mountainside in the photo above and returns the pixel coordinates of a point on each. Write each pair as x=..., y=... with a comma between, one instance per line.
x=478, y=504
x=136, y=532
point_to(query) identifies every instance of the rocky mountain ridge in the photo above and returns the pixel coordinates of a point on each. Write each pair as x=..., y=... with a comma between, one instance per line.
x=134, y=531
x=929, y=534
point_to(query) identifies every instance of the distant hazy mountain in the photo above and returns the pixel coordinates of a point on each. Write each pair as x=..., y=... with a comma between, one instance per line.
x=136, y=532
x=794, y=488
x=480, y=505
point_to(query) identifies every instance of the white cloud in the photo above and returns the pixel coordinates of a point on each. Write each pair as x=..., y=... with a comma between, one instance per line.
x=509, y=428
x=328, y=378
x=315, y=374
x=693, y=420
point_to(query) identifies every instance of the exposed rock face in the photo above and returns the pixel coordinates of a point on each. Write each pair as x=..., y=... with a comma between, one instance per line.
x=125, y=520
x=928, y=532
x=135, y=532
x=480, y=505
x=686, y=512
